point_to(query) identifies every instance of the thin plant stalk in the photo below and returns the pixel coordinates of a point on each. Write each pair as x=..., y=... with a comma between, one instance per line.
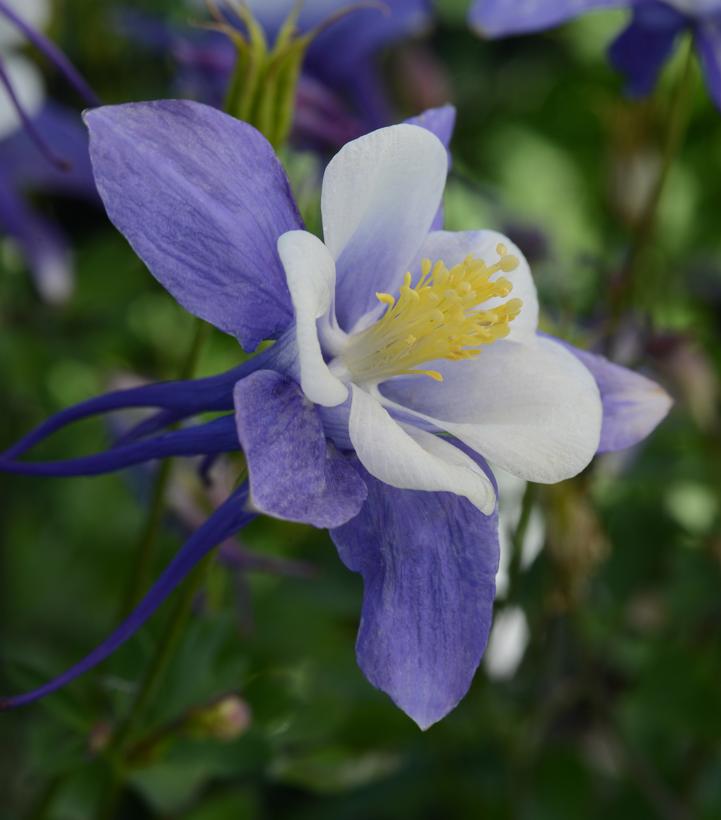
x=677, y=125
x=171, y=636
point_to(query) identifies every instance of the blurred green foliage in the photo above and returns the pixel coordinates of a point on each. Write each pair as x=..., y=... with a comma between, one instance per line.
x=616, y=707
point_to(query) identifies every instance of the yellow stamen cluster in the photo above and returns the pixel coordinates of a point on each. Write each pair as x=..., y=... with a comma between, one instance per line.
x=440, y=317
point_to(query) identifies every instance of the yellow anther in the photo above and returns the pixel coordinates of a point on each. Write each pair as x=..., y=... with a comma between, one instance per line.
x=441, y=317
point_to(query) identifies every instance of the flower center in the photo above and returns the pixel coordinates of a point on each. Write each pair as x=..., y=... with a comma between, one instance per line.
x=441, y=317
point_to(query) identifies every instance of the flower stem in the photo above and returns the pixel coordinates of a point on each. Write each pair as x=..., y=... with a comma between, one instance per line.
x=146, y=546
x=162, y=657
x=41, y=809
x=678, y=120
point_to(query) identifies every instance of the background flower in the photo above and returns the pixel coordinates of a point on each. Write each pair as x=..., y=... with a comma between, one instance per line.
x=25, y=166
x=340, y=94
x=640, y=51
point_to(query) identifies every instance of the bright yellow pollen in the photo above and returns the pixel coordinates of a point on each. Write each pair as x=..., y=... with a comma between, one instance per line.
x=440, y=317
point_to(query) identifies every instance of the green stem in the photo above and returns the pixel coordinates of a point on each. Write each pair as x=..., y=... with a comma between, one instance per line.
x=162, y=657
x=678, y=120
x=145, y=553
x=41, y=809
x=164, y=653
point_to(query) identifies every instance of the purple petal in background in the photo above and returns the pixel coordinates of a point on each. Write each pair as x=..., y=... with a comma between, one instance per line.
x=367, y=91
x=206, y=60
x=641, y=50
x=202, y=199
x=344, y=56
x=44, y=248
x=501, y=18
x=339, y=51
x=23, y=167
x=428, y=562
x=322, y=119
x=294, y=473
x=225, y=521
x=152, y=31
x=441, y=122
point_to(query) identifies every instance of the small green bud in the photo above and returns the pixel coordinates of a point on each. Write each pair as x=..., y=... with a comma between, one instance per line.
x=226, y=719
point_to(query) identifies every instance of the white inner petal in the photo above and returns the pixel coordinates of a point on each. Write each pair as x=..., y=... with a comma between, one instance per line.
x=380, y=195
x=310, y=273
x=412, y=459
x=531, y=409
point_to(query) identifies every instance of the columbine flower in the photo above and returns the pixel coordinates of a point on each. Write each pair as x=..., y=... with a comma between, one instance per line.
x=339, y=94
x=404, y=358
x=43, y=147
x=643, y=47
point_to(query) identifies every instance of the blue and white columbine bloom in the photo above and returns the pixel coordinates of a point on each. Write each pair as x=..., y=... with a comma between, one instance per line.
x=405, y=359
x=641, y=49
